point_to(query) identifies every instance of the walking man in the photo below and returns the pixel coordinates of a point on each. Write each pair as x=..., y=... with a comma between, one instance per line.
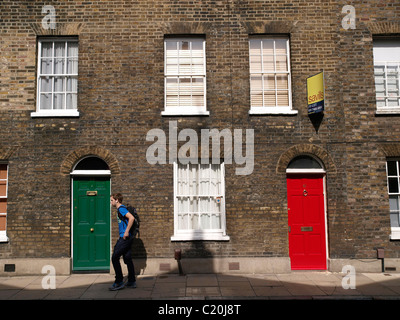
x=123, y=245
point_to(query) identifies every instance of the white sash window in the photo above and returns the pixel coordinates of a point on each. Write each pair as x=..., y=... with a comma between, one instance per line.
x=393, y=183
x=270, y=79
x=57, y=77
x=185, y=76
x=199, y=202
x=387, y=75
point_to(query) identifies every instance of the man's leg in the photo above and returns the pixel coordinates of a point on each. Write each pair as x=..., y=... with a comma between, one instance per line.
x=129, y=263
x=118, y=252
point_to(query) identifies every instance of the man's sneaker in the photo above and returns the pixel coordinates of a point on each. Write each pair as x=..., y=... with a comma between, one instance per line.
x=131, y=285
x=117, y=286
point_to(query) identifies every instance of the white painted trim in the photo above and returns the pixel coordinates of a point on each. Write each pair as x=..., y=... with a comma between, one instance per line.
x=201, y=236
x=272, y=111
x=91, y=173
x=395, y=233
x=3, y=236
x=185, y=112
x=388, y=110
x=55, y=113
x=208, y=234
x=305, y=171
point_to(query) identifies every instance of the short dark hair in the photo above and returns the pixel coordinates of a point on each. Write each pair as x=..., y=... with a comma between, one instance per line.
x=117, y=196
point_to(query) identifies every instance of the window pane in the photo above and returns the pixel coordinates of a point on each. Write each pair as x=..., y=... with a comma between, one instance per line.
x=3, y=205
x=47, y=49
x=283, y=98
x=380, y=86
x=3, y=188
x=269, y=98
x=3, y=171
x=393, y=185
x=72, y=66
x=59, y=66
x=394, y=203
x=72, y=84
x=394, y=220
x=255, y=47
x=46, y=84
x=58, y=84
x=215, y=221
x=72, y=50
x=280, y=46
x=46, y=66
x=59, y=101
x=72, y=101
x=256, y=83
x=255, y=64
x=392, y=168
x=269, y=82
x=393, y=102
x=282, y=82
x=197, y=48
x=59, y=49
x=205, y=221
x=268, y=47
x=184, y=45
x=268, y=63
x=45, y=101
x=2, y=222
x=281, y=63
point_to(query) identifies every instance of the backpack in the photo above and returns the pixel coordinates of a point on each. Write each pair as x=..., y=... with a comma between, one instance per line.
x=136, y=224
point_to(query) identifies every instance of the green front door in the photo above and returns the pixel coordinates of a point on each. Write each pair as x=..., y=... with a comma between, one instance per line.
x=91, y=223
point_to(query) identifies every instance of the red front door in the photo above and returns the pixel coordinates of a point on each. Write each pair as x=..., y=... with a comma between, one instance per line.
x=306, y=217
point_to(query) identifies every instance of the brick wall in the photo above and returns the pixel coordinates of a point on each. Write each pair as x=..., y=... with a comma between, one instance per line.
x=121, y=96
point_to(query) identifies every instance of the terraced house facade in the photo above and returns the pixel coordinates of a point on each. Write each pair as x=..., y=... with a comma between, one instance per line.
x=197, y=112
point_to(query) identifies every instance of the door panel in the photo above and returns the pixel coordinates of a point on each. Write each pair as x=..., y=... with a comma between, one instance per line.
x=306, y=218
x=91, y=223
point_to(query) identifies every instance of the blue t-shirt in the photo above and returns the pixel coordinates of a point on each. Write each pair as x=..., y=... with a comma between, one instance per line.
x=122, y=223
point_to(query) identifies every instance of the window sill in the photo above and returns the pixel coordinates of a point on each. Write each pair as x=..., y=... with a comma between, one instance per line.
x=200, y=236
x=3, y=237
x=272, y=111
x=190, y=113
x=383, y=111
x=55, y=113
x=395, y=234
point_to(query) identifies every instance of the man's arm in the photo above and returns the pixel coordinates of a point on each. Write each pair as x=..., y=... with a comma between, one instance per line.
x=131, y=219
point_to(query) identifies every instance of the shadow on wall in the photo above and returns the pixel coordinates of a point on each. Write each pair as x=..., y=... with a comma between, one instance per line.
x=139, y=255
x=193, y=256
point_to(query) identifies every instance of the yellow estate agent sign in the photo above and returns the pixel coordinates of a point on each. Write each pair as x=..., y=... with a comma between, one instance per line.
x=315, y=93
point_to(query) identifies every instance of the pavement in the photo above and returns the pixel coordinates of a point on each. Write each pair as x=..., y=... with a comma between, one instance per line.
x=297, y=285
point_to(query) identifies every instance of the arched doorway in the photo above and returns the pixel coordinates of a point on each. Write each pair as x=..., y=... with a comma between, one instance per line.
x=91, y=214
x=307, y=213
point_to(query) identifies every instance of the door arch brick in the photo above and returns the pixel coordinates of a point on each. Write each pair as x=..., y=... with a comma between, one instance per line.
x=303, y=149
x=75, y=156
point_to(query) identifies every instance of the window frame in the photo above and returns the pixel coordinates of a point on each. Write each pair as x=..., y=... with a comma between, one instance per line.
x=55, y=112
x=3, y=233
x=388, y=42
x=185, y=110
x=395, y=231
x=271, y=109
x=200, y=234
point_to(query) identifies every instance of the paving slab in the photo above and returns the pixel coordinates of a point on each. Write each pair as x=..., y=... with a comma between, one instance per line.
x=289, y=286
